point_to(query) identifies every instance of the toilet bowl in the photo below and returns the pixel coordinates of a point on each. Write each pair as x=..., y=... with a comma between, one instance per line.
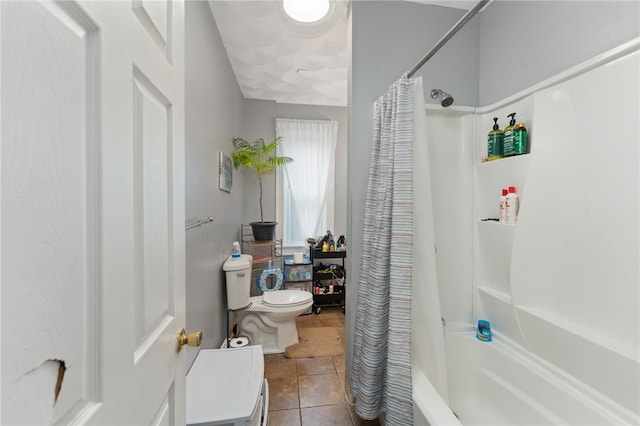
x=269, y=320
x=273, y=325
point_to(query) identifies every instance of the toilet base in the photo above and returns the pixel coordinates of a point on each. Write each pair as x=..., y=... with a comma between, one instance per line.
x=273, y=337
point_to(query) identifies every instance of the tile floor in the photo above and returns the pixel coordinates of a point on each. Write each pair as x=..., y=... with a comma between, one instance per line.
x=310, y=391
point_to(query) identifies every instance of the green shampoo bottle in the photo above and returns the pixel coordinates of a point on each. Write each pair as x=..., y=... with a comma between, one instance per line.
x=521, y=143
x=494, y=141
x=510, y=137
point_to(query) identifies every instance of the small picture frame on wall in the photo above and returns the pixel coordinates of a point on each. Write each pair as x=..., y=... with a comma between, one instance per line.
x=225, y=172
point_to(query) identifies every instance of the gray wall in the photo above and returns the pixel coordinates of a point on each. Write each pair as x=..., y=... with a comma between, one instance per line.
x=259, y=122
x=214, y=112
x=388, y=38
x=525, y=42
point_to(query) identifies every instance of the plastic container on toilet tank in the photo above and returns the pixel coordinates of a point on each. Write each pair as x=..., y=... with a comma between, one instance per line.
x=235, y=250
x=238, y=280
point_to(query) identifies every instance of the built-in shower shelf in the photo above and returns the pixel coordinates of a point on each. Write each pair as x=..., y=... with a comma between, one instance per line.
x=544, y=320
x=506, y=162
x=497, y=308
x=493, y=176
x=495, y=294
x=606, y=364
x=493, y=223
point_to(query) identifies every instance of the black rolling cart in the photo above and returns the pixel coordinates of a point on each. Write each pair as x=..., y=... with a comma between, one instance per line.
x=329, y=279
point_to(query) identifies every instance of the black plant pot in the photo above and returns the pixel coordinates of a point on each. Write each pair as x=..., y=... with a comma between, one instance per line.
x=263, y=231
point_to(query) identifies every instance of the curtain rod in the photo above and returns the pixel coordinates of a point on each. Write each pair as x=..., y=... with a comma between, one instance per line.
x=470, y=14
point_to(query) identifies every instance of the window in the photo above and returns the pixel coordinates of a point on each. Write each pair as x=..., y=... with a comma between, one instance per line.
x=306, y=186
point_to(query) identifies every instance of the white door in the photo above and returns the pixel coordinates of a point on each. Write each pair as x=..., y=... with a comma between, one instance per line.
x=92, y=229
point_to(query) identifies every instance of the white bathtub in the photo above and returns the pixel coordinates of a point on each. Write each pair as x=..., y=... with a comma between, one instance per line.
x=496, y=383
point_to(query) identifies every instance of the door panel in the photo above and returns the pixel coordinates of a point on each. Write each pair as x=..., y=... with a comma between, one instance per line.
x=92, y=212
x=50, y=205
x=164, y=413
x=155, y=18
x=153, y=206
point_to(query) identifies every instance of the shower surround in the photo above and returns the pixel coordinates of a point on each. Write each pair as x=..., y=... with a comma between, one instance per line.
x=561, y=287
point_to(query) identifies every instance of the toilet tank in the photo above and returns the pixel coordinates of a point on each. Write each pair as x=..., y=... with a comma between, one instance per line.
x=238, y=277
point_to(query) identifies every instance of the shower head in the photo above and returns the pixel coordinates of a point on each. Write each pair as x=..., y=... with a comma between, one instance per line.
x=445, y=98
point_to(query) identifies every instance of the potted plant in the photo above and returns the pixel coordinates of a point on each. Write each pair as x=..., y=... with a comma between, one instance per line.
x=262, y=158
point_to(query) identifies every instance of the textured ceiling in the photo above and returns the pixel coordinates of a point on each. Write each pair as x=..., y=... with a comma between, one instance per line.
x=276, y=58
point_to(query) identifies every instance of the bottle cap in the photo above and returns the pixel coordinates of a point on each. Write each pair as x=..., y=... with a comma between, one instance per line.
x=512, y=190
x=504, y=191
x=495, y=123
x=512, y=122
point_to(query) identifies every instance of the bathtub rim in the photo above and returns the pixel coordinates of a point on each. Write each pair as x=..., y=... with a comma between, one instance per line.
x=429, y=402
x=573, y=386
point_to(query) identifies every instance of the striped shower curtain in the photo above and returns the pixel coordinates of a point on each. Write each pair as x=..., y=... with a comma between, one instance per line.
x=381, y=370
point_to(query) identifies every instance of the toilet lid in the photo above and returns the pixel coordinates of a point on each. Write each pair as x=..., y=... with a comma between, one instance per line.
x=223, y=385
x=286, y=298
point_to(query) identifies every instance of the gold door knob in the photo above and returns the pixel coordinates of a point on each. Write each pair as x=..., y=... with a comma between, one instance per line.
x=191, y=339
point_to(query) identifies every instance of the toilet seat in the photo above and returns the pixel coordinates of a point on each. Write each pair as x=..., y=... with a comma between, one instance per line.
x=285, y=298
x=261, y=282
x=258, y=305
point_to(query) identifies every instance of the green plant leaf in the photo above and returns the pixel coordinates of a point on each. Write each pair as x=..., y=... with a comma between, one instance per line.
x=259, y=156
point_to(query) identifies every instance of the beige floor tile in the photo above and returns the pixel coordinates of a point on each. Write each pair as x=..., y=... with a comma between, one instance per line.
x=284, y=418
x=314, y=366
x=306, y=321
x=334, y=415
x=332, y=322
x=341, y=379
x=339, y=363
x=277, y=365
x=310, y=391
x=331, y=312
x=318, y=390
x=283, y=393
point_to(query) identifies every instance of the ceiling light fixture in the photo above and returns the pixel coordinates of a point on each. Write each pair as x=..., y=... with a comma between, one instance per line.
x=306, y=11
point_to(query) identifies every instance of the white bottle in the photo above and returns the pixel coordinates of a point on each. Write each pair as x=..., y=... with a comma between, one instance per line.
x=235, y=250
x=512, y=206
x=503, y=205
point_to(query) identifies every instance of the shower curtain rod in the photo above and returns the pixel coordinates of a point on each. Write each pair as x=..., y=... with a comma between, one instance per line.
x=470, y=14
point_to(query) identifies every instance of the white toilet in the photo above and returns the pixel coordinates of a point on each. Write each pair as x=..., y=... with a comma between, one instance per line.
x=227, y=387
x=270, y=319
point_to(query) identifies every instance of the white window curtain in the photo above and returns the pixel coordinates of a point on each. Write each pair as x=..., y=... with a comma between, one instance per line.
x=306, y=186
